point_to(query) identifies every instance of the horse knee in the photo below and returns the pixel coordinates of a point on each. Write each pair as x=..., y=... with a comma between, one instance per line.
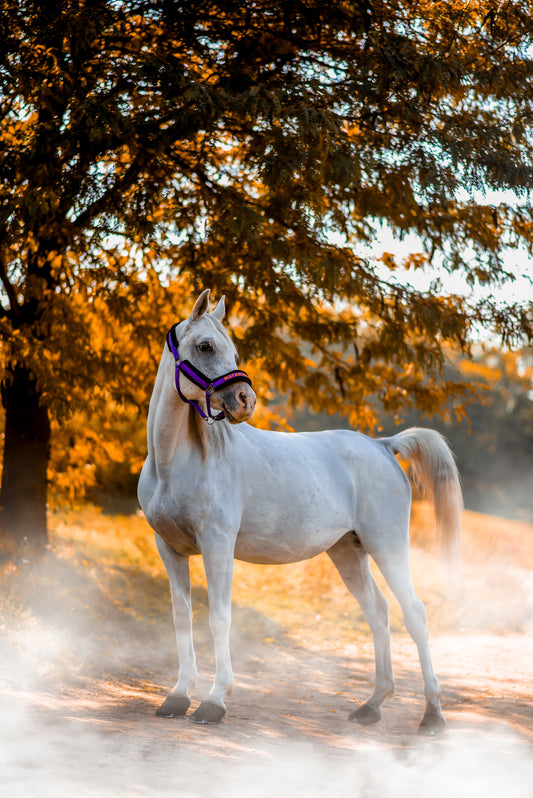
x=219, y=623
x=182, y=618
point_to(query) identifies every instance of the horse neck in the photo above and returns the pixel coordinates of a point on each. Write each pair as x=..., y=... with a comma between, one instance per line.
x=175, y=427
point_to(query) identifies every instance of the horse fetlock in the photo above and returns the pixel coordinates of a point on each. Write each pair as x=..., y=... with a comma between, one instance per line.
x=432, y=694
x=227, y=690
x=221, y=689
x=186, y=682
x=382, y=692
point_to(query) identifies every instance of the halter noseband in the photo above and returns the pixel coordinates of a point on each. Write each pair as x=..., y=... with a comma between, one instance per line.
x=199, y=378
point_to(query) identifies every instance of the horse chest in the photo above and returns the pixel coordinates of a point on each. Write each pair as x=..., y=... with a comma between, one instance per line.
x=175, y=525
x=182, y=508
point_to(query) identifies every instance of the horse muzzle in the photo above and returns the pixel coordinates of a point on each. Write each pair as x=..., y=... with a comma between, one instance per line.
x=238, y=402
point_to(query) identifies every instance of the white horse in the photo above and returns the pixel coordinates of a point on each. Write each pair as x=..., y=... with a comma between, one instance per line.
x=224, y=489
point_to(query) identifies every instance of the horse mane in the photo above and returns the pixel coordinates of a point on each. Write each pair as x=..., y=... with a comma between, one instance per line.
x=203, y=435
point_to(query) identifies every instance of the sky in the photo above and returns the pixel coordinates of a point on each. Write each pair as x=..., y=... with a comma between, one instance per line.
x=517, y=261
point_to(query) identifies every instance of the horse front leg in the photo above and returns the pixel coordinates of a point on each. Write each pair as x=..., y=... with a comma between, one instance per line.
x=217, y=552
x=178, y=701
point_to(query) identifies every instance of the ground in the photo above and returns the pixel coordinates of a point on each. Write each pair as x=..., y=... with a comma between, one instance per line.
x=88, y=655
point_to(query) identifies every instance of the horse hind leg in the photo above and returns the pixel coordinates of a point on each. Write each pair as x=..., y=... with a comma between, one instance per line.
x=351, y=562
x=395, y=568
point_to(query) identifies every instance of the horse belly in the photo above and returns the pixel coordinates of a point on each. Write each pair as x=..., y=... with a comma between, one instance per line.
x=272, y=551
x=288, y=525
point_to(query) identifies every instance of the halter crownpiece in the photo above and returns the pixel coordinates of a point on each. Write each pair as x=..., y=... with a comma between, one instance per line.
x=201, y=380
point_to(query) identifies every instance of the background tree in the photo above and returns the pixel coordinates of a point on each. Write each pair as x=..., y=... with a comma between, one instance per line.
x=493, y=443
x=496, y=446
x=250, y=147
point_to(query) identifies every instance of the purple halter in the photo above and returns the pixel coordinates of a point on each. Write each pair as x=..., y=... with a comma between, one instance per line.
x=199, y=378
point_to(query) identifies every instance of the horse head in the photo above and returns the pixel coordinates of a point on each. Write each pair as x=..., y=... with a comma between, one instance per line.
x=208, y=361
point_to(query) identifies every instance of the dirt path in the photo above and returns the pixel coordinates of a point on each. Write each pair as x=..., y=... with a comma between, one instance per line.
x=87, y=654
x=286, y=731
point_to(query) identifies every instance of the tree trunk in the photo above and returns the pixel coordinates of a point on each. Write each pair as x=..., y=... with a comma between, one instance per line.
x=26, y=454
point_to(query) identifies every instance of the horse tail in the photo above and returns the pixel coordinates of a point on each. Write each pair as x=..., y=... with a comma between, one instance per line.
x=435, y=474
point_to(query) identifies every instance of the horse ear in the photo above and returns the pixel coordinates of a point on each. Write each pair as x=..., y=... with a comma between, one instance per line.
x=220, y=310
x=201, y=305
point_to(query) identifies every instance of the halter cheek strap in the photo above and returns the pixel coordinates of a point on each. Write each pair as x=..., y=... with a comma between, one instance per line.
x=201, y=380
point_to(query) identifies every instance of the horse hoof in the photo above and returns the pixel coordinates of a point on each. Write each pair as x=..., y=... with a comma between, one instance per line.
x=432, y=723
x=174, y=706
x=366, y=715
x=208, y=712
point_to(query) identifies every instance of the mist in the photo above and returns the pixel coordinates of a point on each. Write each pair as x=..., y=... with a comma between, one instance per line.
x=47, y=753
x=87, y=654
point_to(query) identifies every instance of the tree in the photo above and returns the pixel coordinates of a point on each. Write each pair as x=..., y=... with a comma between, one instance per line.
x=492, y=444
x=249, y=147
x=495, y=452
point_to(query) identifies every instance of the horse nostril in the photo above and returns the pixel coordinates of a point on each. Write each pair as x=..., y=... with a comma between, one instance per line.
x=242, y=397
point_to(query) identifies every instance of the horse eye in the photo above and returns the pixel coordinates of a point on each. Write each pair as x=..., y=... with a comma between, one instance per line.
x=205, y=346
